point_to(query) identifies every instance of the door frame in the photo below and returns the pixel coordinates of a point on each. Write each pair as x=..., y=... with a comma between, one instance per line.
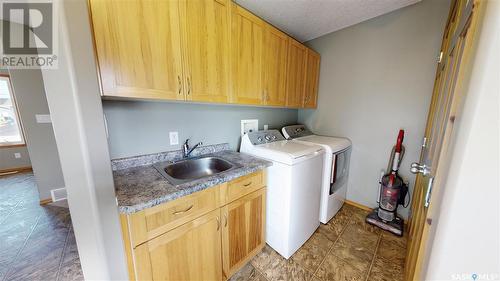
x=469, y=19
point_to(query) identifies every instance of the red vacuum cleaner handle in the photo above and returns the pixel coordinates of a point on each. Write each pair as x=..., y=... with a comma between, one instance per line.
x=399, y=142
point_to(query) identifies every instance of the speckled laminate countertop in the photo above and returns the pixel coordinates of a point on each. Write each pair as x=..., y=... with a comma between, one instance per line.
x=141, y=187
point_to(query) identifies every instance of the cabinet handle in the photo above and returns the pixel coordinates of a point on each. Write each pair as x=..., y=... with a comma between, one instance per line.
x=183, y=211
x=225, y=220
x=218, y=223
x=245, y=185
x=180, y=85
x=189, y=86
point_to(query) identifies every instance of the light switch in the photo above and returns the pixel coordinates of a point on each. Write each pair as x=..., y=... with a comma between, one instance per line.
x=266, y=127
x=17, y=155
x=43, y=118
x=174, y=138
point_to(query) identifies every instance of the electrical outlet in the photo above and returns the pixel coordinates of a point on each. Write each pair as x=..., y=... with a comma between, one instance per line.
x=266, y=127
x=174, y=138
x=17, y=155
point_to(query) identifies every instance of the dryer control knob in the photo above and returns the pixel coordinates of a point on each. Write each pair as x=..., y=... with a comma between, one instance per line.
x=268, y=137
x=259, y=139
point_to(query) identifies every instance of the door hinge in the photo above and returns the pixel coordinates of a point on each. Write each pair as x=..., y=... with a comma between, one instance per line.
x=440, y=57
x=428, y=193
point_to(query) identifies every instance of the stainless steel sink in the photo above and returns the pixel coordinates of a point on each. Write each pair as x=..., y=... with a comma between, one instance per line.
x=191, y=169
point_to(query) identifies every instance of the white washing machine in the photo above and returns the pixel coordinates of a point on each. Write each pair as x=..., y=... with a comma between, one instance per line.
x=293, y=188
x=335, y=167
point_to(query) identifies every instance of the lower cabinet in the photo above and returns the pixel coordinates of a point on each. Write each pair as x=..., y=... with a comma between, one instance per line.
x=211, y=246
x=190, y=252
x=243, y=233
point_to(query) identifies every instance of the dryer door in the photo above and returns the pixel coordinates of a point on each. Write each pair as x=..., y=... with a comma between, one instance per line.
x=340, y=169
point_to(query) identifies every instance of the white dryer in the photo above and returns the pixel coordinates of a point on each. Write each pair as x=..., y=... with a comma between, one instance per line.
x=293, y=188
x=335, y=167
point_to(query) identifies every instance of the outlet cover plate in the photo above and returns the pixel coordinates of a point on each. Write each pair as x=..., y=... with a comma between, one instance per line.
x=174, y=138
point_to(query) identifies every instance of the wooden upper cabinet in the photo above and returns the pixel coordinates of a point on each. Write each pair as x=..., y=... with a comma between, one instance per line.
x=190, y=252
x=243, y=230
x=138, y=48
x=312, y=79
x=296, y=70
x=275, y=52
x=205, y=28
x=247, y=35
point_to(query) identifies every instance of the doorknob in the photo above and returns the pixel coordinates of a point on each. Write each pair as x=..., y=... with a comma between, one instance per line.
x=420, y=168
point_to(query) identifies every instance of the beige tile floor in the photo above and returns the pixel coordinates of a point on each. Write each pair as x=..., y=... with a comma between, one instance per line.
x=344, y=249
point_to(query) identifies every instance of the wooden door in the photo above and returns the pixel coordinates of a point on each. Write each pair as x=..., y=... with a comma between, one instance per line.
x=275, y=52
x=312, y=79
x=296, y=70
x=445, y=107
x=205, y=31
x=190, y=252
x=247, y=35
x=138, y=48
x=243, y=230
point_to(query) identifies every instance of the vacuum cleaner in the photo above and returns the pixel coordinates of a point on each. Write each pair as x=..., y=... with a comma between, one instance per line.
x=392, y=193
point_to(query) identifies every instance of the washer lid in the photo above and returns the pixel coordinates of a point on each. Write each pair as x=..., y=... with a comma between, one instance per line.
x=335, y=143
x=288, y=152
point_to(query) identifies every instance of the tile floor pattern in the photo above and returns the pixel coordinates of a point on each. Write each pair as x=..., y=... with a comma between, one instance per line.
x=344, y=249
x=36, y=243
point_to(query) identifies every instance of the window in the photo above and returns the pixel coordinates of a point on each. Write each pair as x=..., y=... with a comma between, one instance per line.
x=10, y=125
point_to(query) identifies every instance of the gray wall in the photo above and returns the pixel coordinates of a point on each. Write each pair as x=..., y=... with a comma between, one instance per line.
x=377, y=77
x=30, y=96
x=8, y=161
x=137, y=128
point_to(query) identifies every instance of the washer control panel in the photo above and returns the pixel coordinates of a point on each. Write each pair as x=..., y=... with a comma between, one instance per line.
x=296, y=131
x=261, y=137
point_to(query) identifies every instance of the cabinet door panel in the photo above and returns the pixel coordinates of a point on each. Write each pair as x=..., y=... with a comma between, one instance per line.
x=296, y=71
x=189, y=252
x=247, y=32
x=205, y=28
x=138, y=48
x=312, y=79
x=243, y=232
x=275, y=51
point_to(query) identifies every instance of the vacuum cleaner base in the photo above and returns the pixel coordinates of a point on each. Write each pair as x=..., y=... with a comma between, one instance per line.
x=395, y=226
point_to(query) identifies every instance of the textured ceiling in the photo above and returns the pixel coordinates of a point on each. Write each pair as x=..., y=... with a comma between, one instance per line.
x=309, y=19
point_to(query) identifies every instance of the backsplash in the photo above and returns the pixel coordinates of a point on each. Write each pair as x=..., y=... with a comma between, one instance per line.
x=140, y=127
x=148, y=159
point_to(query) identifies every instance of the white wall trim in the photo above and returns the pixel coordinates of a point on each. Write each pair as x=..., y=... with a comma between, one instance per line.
x=76, y=110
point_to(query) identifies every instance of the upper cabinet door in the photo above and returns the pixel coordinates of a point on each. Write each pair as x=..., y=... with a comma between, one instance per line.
x=275, y=52
x=312, y=79
x=206, y=30
x=247, y=35
x=296, y=71
x=138, y=48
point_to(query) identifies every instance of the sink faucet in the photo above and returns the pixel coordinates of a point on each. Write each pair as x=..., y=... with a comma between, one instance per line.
x=185, y=148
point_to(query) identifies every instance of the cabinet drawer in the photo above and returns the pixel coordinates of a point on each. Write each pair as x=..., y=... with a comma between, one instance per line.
x=157, y=220
x=242, y=186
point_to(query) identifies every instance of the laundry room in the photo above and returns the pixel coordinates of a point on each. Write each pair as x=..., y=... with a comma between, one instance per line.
x=264, y=140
